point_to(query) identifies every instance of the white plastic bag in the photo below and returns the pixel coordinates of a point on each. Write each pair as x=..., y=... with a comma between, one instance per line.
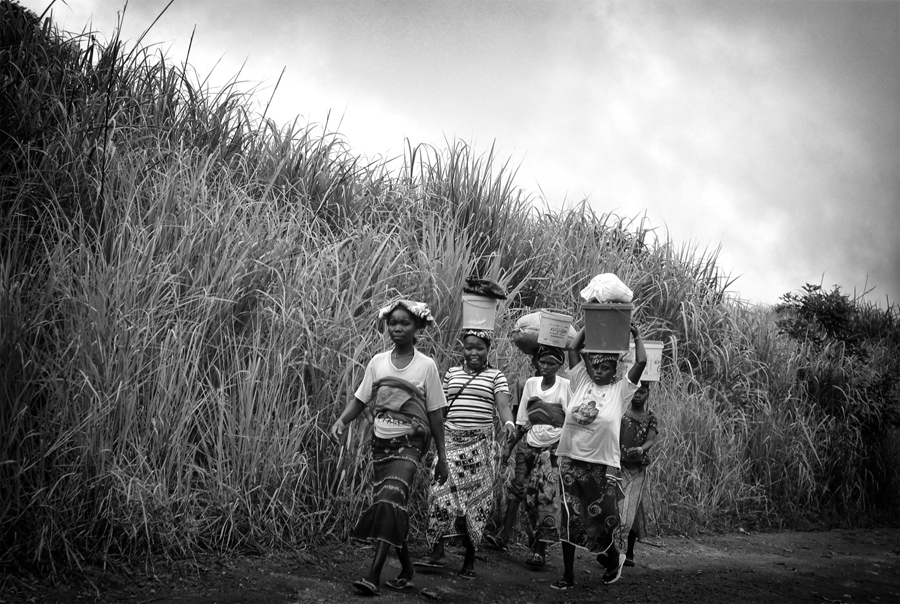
x=606, y=287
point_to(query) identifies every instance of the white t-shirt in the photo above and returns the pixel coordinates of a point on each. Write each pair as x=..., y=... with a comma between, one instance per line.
x=422, y=371
x=542, y=435
x=594, y=418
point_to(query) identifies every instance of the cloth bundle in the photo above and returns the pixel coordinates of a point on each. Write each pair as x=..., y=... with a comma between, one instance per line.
x=484, y=287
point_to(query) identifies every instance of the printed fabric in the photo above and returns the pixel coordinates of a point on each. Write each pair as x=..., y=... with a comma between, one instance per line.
x=634, y=434
x=589, y=512
x=536, y=483
x=463, y=504
x=594, y=419
x=634, y=482
x=395, y=463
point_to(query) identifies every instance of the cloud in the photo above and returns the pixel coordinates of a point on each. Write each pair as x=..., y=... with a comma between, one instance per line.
x=771, y=128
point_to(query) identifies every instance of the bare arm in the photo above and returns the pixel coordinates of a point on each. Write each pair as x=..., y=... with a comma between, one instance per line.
x=351, y=412
x=501, y=399
x=574, y=352
x=436, y=423
x=649, y=441
x=640, y=357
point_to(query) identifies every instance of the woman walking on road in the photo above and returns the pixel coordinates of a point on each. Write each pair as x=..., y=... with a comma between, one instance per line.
x=589, y=457
x=459, y=508
x=403, y=388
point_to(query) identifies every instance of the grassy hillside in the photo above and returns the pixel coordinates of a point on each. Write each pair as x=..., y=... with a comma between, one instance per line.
x=187, y=298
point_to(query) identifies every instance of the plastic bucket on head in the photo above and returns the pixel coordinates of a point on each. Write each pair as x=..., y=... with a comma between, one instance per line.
x=607, y=327
x=554, y=329
x=478, y=312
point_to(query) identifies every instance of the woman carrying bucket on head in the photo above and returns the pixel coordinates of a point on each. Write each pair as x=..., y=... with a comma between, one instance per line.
x=460, y=508
x=540, y=417
x=589, y=456
x=639, y=431
x=404, y=387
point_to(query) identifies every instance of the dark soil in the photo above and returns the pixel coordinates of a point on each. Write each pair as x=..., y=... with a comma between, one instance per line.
x=846, y=566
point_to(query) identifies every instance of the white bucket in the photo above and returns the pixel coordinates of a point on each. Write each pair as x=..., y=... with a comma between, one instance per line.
x=478, y=312
x=554, y=329
x=654, y=349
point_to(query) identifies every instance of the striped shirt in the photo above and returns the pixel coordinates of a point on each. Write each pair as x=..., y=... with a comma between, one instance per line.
x=472, y=403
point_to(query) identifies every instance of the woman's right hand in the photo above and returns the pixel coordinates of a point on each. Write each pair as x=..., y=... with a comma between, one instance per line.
x=337, y=431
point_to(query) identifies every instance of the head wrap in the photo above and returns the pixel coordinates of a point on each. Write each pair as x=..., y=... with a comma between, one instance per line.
x=418, y=309
x=485, y=334
x=551, y=351
x=604, y=356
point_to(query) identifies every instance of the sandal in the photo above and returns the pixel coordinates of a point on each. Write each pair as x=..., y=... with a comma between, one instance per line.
x=467, y=573
x=366, y=587
x=400, y=583
x=562, y=585
x=535, y=560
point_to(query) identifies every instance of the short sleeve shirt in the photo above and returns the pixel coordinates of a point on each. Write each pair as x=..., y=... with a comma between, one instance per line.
x=543, y=435
x=421, y=371
x=472, y=399
x=594, y=419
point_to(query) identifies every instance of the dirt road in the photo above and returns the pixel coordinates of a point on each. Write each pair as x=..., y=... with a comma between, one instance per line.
x=846, y=566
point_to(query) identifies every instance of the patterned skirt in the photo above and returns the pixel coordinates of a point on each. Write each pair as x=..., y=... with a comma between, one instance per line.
x=633, y=484
x=590, y=513
x=464, y=503
x=537, y=484
x=395, y=462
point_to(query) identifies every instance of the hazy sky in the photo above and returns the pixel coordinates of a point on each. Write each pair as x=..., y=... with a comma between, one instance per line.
x=770, y=128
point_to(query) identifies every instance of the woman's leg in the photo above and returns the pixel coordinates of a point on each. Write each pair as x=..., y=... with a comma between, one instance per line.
x=437, y=551
x=382, y=548
x=469, y=559
x=632, y=537
x=406, y=568
x=568, y=551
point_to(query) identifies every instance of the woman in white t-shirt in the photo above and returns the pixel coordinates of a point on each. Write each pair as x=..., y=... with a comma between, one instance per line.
x=542, y=411
x=588, y=450
x=403, y=388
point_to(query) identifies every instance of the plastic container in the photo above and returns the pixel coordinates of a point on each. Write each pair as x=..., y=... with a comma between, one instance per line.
x=654, y=349
x=478, y=312
x=554, y=329
x=607, y=327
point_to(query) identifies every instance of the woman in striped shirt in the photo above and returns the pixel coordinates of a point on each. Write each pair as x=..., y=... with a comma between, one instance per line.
x=459, y=508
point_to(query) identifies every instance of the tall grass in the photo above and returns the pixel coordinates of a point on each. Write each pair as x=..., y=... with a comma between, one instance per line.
x=187, y=300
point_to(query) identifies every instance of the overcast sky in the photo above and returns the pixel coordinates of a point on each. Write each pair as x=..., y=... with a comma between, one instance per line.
x=770, y=128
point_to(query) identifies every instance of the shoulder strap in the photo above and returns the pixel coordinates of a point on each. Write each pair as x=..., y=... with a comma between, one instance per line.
x=458, y=392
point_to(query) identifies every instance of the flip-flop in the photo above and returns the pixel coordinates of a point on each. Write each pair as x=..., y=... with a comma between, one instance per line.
x=429, y=563
x=467, y=573
x=366, y=587
x=562, y=585
x=400, y=583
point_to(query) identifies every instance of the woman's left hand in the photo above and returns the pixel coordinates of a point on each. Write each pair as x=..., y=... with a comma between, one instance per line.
x=441, y=471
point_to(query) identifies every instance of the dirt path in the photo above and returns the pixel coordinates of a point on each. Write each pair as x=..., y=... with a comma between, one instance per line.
x=835, y=566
